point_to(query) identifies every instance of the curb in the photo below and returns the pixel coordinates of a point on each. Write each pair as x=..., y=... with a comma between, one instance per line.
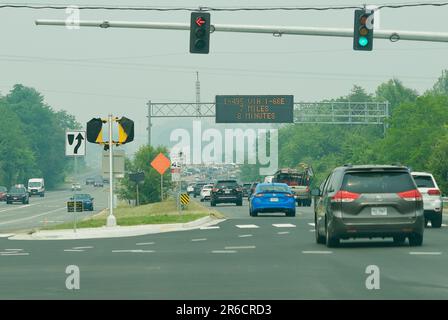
x=115, y=232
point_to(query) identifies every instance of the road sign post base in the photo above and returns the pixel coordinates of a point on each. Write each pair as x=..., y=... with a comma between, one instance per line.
x=111, y=221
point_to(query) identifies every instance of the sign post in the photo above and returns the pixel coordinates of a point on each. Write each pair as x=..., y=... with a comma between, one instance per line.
x=111, y=220
x=161, y=163
x=75, y=146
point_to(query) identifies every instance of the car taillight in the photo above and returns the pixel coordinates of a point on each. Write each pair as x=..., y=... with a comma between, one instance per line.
x=258, y=195
x=290, y=195
x=434, y=192
x=307, y=189
x=215, y=190
x=239, y=189
x=345, y=196
x=411, y=195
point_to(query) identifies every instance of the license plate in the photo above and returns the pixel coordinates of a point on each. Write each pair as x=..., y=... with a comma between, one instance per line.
x=274, y=199
x=226, y=191
x=379, y=212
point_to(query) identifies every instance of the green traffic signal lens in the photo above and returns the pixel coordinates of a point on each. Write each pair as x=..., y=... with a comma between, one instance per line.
x=363, y=41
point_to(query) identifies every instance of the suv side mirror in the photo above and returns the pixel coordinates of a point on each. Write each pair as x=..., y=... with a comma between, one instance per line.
x=316, y=192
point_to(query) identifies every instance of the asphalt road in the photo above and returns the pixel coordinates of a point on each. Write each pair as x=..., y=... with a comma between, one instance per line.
x=266, y=257
x=49, y=210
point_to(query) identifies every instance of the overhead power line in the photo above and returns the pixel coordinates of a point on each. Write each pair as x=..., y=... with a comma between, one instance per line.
x=218, y=9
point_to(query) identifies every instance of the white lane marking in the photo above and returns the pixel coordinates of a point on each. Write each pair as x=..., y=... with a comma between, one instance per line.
x=50, y=221
x=311, y=224
x=425, y=253
x=13, y=249
x=283, y=232
x=35, y=216
x=14, y=254
x=133, y=251
x=239, y=247
x=73, y=250
x=79, y=248
x=21, y=207
x=6, y=235
x=284, y=225
x=247, y=226
x=202, y=239
x=144, y=243
x=317, y=252
x=444, y=225
x=223, y=251
x=209, y=228
x=244, y=236
x=312, y=230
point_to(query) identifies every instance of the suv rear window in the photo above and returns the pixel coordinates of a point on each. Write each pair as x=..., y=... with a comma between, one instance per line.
x=377, y=182
x=273, y=188
x=226, y=184
x=424, y=181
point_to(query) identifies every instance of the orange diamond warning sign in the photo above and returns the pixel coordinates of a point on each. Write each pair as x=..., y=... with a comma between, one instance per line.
x=161, y=163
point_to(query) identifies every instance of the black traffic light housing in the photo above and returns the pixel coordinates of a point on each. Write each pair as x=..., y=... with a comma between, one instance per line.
x=125, y=130
x=200, y=32
x=363, y=30
x=94, y=130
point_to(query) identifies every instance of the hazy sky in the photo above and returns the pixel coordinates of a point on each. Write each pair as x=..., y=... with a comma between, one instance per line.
x=91, y=72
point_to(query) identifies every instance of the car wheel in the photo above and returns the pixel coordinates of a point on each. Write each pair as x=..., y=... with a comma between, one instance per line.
x=399, y=239
x=254, y=213
x=415, y=240
x=330, y=240
x=239, y=203
x=8, y=202
x=202, y=200
x=319, y=239
x=42, y=195
x=291, y=213
x=213, y=203
x=194, y=196
x=426, y=222
x=437, y=222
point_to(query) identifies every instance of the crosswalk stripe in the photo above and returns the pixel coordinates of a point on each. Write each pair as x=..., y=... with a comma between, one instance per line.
x=284, y=225
x=247, y=226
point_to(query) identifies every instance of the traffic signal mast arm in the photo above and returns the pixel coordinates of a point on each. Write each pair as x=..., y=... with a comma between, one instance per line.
x=393, y=35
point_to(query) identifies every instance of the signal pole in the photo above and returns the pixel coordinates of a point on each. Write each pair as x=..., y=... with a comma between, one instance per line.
x=111, y=220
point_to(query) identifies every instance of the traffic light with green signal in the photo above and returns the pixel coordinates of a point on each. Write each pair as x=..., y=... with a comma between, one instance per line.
x=363, y=31
x=200, y=32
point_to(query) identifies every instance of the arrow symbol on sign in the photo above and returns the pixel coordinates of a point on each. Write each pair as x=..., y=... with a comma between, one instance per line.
x=79, y=138
x=200, y=21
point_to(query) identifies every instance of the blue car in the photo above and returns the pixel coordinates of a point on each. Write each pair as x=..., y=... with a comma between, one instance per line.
x=87, y=200
x=272, y=197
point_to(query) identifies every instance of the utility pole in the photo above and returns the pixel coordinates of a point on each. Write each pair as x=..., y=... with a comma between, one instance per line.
x=149, y=122
x=198, y=95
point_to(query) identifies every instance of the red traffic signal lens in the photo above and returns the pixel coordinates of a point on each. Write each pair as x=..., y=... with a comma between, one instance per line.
x=363, y=19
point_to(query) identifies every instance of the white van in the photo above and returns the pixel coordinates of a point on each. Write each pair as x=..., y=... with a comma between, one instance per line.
x=36, y=186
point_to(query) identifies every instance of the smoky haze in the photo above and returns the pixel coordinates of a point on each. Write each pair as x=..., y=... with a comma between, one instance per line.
x=92, y=72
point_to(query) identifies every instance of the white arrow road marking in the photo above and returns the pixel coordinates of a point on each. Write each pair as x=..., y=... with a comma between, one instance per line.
x=195, y=240
x=425, y=253
x=284, y=225
x=209, y=228
x=283, y=232
x=144, y=243
x=317, y=252
x=239, y=247
x=133, y=251
x=223, y=251
x=247, y=226
x=244, y=236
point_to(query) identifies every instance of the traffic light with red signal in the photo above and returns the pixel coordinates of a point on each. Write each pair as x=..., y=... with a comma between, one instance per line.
x=363, y=30
x=200, y=32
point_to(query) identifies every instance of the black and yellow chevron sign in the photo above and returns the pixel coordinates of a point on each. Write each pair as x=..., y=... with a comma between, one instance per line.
x=184, y=198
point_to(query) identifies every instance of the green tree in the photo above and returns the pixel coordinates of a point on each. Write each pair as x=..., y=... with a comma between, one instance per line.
x=395, y=93
x=149, y=190
x=441, y=85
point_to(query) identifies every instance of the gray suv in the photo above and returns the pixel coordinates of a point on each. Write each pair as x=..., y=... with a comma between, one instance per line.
x=367, y=201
